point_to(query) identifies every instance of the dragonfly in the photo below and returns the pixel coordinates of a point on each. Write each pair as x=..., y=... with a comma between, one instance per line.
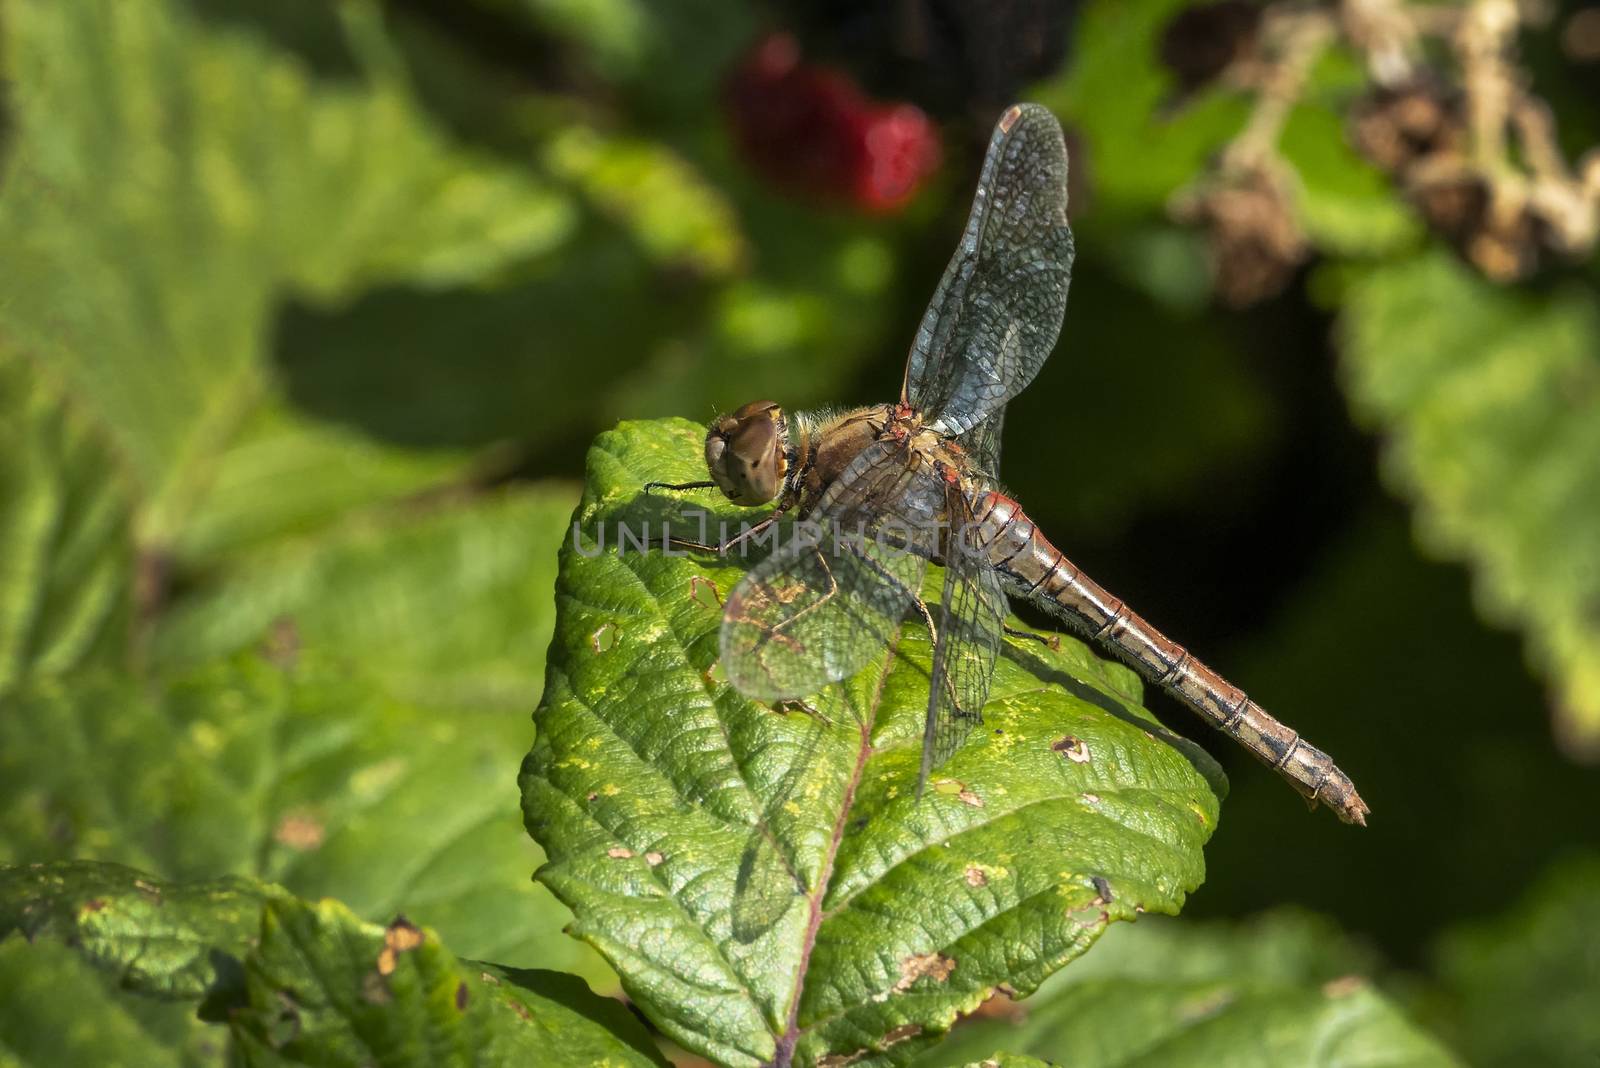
x=890, y=488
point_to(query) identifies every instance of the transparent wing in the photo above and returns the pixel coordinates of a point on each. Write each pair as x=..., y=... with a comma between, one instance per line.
x=971, y=624
x=997, y=311
x=830, y=599
x=982, y=443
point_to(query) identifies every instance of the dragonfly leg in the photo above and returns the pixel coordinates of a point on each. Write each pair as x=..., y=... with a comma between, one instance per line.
x=804, y=708
x=916, y=602
x=678, y=486
x=1051, y=642
x=722, y=548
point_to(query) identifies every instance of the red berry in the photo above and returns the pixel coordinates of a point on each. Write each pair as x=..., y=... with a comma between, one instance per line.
x=813, y=132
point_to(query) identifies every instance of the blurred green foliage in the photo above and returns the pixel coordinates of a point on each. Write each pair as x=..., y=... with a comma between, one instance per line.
x=1282, y=989
x=1494, y=413
x=1519, y=989
x=309, y=311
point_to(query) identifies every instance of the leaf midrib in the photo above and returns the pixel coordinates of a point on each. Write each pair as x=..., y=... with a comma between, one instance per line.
x=791, y=1035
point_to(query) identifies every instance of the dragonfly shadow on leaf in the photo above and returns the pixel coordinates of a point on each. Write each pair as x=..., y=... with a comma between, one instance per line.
x=1193, y=752
x=768, y=883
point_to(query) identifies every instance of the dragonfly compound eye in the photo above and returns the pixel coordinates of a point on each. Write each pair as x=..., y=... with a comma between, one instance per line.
x=745, y=453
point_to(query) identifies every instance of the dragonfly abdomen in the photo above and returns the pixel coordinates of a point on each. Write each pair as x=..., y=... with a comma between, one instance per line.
x=1037, y=570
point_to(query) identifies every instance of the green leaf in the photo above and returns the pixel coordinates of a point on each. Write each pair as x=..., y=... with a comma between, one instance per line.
x=65, y=553
x=59, y=1009
x=302, y=773
x=1521, y=988
x=100, y=964
x=167, y=182
x=302, y=982
x=765, y=881
x=284, y=475
x=1007, y=1060
x=1490, y=400
x=156, y=937
x=376, y=591
x=1264, y=993
x=675, y=216
x=324, y=988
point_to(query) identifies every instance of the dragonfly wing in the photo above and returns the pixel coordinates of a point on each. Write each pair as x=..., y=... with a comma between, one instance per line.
x=831, y=598
x=971, y=623
x=997, y=311
x=982, y=443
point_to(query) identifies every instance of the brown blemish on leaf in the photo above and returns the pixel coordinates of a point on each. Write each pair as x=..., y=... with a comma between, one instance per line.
x=151, y=573
x=967, y=797
x=282, y=644
x=619, y=852
x=299, y=831
x=653, y=858
x=1343, y=986
x=703, y=592
x=604, y=638
x=975, y=876
x=935, y=966
x=522, y=1010
x=949, y=787
x=461, y=996
x=374, y=990
x=592, y=794
x=399, y=937
x=841, y=1060
x=1073, y=748
x=1207, y=1004
x=901, y=1033
x=93, y=905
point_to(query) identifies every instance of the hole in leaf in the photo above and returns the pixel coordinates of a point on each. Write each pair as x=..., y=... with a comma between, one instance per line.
x=704, y=593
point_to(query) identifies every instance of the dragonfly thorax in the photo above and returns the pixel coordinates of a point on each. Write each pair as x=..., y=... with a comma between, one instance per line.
x=747, y=453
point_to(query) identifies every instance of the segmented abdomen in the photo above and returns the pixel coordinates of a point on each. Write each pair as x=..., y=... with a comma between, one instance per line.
x=1039, y=571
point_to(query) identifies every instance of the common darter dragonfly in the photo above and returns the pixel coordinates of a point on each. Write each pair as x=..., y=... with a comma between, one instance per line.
x=887, y=489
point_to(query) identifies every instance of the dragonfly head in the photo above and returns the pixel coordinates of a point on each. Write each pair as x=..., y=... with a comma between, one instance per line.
x=747, y=453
